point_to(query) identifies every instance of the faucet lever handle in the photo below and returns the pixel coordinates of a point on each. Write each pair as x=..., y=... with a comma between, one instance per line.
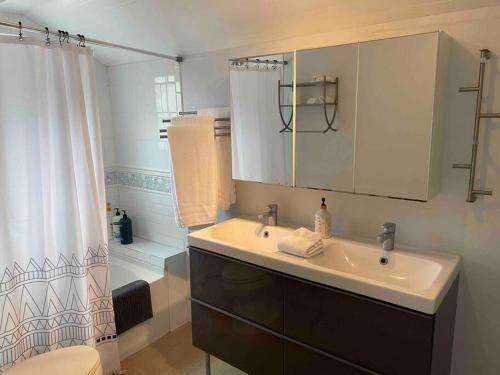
x=389, y=227
x=272, y=207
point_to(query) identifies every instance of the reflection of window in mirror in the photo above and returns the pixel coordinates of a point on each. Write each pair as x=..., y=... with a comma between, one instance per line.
x=261, y=144
x=168, y=96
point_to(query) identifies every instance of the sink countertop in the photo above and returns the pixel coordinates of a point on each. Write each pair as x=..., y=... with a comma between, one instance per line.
x=414, y=279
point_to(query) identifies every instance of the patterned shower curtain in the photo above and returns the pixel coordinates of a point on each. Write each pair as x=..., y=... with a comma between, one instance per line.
x=54, y=281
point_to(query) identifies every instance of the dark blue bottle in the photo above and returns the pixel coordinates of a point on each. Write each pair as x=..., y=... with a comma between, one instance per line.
x=126, y=229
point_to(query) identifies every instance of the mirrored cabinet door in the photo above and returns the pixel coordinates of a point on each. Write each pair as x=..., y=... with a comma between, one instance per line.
x=326, y=117
x=401, y=84
x=261, y=118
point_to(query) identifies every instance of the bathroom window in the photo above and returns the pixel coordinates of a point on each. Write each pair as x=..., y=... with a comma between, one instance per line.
x=168, y=96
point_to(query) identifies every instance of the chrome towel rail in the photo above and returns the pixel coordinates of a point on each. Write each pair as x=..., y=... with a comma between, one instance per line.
x=471, y=192
x=224, y=130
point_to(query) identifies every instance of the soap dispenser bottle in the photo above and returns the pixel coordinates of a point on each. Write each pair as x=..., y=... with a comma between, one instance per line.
x=115, y=223
x=323, y=221
x=109, y=220
x=126, y=229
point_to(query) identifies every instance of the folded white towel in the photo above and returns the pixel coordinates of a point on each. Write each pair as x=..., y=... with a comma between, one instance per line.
x=226, y=190
x=322, y=77
x=193, y=170
x=302, y=242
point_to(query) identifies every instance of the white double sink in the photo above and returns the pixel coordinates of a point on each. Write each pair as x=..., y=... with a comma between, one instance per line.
x=418, y=280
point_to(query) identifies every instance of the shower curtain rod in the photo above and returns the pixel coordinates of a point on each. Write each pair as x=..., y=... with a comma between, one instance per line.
x=89, y=40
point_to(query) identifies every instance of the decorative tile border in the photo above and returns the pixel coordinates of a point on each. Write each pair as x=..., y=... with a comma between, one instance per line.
x=140, y=179
x=110, y=178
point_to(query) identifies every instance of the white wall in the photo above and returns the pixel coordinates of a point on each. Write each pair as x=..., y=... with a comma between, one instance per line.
x=135, y=119
x=137, y=162
x=108, y=147
x=446, y=223
x=15, y=18
x=104, y=98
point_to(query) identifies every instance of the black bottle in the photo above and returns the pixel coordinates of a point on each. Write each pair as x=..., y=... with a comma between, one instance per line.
x=126, y=229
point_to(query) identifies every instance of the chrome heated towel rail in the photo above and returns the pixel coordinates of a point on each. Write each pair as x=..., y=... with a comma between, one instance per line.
x=471, y=192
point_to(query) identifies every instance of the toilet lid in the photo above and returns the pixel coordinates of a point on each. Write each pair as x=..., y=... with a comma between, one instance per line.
x=75, y=360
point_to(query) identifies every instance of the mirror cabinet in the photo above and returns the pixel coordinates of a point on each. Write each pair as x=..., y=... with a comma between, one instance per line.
x=363, y=118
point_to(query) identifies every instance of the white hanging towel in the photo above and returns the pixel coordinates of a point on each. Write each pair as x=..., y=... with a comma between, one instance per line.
x=193, y=170
x=226, y=190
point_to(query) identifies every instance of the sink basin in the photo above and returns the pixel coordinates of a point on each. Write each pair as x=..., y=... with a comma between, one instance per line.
x=404, y=269
x=414, y=279
x=245, y=234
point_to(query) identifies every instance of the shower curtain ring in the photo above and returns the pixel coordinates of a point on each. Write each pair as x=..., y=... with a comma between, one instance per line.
x=20, y=30
x=47, y=38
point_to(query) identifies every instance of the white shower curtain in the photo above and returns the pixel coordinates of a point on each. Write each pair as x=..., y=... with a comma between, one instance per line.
x=258, y=147
x=54, y=281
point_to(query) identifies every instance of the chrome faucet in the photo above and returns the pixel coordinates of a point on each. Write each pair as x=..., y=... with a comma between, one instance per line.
x=271, y=215
x=386, y=238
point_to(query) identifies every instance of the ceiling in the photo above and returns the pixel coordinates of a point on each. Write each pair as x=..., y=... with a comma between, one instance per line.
x=185, y=27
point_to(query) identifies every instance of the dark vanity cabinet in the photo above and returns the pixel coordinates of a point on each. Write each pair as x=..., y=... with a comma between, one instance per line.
x=265, y=322
x=236, y=342
x=241, y=289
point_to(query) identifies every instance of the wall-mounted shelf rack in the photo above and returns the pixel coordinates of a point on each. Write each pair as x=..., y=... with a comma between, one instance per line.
x=219, y=130
x=328, y=119
x=311, y=84
x=471, y=191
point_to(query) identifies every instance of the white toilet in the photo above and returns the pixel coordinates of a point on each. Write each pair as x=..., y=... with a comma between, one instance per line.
x=75, y=360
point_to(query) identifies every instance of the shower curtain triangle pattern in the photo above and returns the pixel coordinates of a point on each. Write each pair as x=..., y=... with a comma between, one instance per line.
x=42, y=308
x=54, y=276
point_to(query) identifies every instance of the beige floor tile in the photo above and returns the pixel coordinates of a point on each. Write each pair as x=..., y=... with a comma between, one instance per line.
x=173, y=354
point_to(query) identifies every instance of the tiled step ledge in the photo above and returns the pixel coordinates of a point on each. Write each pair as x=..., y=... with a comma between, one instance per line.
x=144, y=252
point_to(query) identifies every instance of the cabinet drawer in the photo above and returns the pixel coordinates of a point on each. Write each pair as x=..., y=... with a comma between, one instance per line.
x=303, y=361
x=377, y=336
x=237, y=343
x=241, y=289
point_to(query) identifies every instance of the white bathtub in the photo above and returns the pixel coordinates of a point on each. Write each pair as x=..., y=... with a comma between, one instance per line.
x=169, y=296
x=123, y=272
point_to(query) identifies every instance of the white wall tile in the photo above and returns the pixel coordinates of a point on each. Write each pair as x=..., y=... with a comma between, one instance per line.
x=152, y=216
x=103, y=97
x=134, y=112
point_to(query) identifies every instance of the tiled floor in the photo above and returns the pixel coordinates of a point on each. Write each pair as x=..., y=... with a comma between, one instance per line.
x=173, y=354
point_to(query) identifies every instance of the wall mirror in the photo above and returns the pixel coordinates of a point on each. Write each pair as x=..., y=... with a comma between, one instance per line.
x=366, y=117
x=326, y=116
x=261, y=118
